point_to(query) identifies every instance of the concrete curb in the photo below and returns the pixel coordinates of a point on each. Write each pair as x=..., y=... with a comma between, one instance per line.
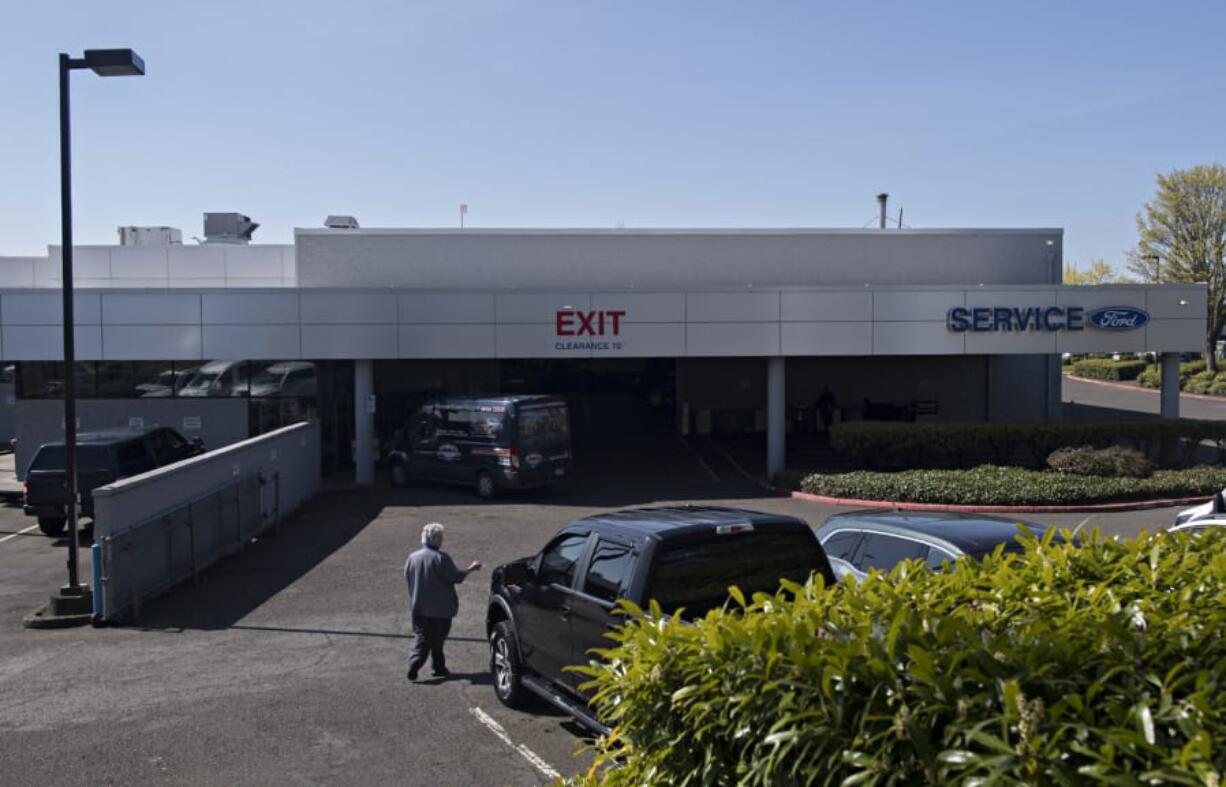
x=1099, y=508
x=1155, y=391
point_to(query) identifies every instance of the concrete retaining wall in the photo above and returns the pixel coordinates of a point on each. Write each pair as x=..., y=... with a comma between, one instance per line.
x=155, y=530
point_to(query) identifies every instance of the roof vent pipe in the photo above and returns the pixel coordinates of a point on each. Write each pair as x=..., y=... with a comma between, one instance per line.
x=881, y=200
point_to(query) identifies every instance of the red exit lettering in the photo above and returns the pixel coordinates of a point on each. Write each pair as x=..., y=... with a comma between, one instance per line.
x=572, y=322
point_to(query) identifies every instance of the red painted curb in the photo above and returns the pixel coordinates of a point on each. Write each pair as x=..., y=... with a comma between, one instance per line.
x=1127, y=387
x=1136, y=505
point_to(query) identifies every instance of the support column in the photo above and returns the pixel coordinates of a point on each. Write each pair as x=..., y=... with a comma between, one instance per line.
x=364, y=422
x=1170, y=385
x=776, y=416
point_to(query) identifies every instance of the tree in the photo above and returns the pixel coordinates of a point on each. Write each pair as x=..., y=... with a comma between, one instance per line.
x=1182, y=238
x=1099, y=272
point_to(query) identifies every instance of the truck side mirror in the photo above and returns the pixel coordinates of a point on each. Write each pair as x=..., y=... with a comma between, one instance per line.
x=519, y=572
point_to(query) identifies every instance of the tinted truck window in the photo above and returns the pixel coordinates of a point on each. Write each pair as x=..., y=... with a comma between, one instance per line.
x=558, y=562
x=696, y=575
x=609, y=565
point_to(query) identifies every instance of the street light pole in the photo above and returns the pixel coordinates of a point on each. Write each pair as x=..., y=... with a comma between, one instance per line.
x=107, y=63
x=70, y=378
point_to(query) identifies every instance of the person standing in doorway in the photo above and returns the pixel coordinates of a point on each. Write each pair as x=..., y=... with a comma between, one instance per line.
x=432, y=575
x=825, y=408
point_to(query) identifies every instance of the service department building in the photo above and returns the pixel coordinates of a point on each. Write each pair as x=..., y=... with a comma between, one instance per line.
x=697, y=331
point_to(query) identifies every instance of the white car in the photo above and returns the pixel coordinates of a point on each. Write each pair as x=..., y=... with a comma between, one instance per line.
x=1214, y=509
x=1199, y=525
x=216, y=378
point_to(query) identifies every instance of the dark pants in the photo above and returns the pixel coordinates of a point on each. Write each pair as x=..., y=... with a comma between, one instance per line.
x=429, y=634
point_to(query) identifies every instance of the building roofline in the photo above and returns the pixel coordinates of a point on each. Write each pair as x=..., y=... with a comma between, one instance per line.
x=714, y=231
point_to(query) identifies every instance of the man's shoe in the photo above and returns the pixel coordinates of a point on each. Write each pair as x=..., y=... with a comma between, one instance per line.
x=412, y=674
x=441, y=673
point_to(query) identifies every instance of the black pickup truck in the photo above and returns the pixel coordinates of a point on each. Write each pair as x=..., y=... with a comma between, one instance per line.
x=547, y=611
x=102, y=457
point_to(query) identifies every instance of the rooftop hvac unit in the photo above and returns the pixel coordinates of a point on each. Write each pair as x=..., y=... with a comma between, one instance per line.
x=341, y=222
x=150, y=236
x=228, y=228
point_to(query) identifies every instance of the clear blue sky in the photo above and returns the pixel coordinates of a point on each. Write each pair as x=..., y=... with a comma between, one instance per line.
x=585, y=114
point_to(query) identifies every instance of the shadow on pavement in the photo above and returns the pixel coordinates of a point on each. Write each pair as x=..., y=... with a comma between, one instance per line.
x=1089, y=412
x=633, y=473
x=239, y=584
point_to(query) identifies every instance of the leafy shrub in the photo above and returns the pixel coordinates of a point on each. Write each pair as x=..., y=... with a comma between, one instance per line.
x=1106, y=369
x=1205, y=383
x=1113, y=461
x=887, y=444
x=1199, y=383
x=1065, y=665
x=1189, y=368
x=991, y=485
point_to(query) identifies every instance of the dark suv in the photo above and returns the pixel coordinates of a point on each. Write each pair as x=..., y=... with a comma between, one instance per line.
x=102, y=457
x=548, y=611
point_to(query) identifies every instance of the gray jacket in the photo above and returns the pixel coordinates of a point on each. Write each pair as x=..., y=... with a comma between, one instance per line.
x=432, y=576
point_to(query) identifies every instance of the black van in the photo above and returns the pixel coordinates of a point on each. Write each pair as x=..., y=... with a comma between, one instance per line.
x=102, y=457
x=490, y=442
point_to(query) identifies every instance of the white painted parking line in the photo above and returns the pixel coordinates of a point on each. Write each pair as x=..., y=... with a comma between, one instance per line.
x=18, y=533
x=702, y=462
x=735, y=464
x=529, y=755
x=707, y=467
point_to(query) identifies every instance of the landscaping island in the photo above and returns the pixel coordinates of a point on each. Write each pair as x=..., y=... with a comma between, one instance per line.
x=1061, y=463
x=990, y=485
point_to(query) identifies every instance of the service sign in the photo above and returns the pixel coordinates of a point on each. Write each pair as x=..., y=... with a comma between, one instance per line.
x=595, y=330
x=1043, y=319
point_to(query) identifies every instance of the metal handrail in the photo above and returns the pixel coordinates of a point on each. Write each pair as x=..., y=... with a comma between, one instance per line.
x=126, y=539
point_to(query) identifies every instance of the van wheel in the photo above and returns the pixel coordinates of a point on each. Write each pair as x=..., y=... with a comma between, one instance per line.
x=400, y=473
x=504, y=664
x=52, y=525
x=486, y=488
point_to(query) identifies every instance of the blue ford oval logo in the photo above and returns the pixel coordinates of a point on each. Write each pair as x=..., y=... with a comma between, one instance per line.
x=1118, y=318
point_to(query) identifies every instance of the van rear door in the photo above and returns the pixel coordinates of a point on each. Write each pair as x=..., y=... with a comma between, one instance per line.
x=542, y=441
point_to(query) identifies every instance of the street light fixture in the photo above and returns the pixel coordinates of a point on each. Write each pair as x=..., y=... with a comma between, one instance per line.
x=1157, y=267
x=106, y=63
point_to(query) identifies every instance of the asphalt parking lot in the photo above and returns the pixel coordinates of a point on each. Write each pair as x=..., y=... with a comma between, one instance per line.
x=286, y=665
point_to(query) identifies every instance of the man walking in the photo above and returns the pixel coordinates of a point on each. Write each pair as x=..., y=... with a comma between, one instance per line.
x=432, y=576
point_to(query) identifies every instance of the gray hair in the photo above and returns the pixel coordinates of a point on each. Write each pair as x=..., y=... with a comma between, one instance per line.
x=432, y=534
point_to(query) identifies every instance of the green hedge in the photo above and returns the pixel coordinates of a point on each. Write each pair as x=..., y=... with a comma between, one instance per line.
x=1106, y=369
x=1098, y=664
x=1152, y=376
x=886, y=444
x=991, y=485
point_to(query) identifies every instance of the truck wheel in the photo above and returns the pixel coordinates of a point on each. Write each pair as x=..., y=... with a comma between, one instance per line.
x=486, y=488
x=504, y=663
x=400, y=473
x=52, y=525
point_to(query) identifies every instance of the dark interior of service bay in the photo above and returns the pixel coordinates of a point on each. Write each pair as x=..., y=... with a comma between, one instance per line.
x=622, y=402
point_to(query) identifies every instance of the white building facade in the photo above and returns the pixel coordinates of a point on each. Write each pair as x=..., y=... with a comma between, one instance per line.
x=720, y=329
